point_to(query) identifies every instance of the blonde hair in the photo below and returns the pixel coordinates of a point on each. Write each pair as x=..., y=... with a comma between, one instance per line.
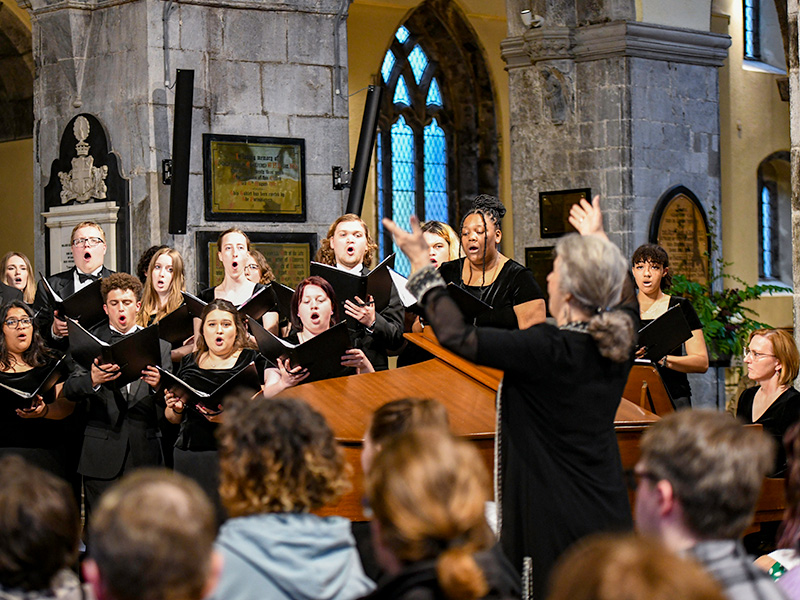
x=785, y=350
x=150, y=303
x=29, y=293
x=87, y=224
x=447, y=233
x=427, y=491
x=325, y=253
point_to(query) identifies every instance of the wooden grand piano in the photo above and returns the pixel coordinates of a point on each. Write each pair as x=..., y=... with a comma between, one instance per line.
x=467, y=391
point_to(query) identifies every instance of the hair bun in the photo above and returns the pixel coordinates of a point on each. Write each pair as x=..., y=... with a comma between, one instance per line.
x=485, y=202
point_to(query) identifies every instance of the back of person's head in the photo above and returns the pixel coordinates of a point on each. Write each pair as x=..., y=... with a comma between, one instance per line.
x=277, y=456
x=151, y=538
x=628, y=567
x=39, y=525
x=789, y=531
x=785, y=350
x=715, y=465
x=427, y=491
x=123, y=282
x=398, y=416
x=594, y=272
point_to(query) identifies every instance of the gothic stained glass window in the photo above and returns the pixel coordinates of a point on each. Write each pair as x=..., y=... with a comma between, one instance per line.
x=752, y=45
x=413, y=148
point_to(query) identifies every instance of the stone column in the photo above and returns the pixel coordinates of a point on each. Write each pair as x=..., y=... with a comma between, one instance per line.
x=793, y=64
x=269, y=68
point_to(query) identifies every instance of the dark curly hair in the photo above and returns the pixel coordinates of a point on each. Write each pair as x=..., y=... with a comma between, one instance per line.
x=242, y=339
x=655, y=255
x=298, y=296
x=37, y=353
x=277, y=455
x=487, y=207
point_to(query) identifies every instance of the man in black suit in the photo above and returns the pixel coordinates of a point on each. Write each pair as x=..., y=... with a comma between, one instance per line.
x=88, y=244
x=121, y=433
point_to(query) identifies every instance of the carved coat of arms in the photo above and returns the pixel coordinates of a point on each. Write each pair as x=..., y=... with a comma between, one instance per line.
x=84, y=181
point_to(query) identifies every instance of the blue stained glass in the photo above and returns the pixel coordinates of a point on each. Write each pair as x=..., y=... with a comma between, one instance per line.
x=379, y=174
x=434, y=94
x=766, y=232
x=401, y=95
x=402, y=34
x=435, y=173
x=387, y=66
x=403, y=184
x=418, y=62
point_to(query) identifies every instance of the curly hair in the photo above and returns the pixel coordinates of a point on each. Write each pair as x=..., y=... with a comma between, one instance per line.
x=427, y=491
x=29, y=293
x=325, y=253
x=485, y=206
x=277, y=456
x=242, y=338
x=150, y=300
x=298, y=296
x=37, y=353
x=267, y=275
x=655, y=255
x=122, y=282
x=399, y=416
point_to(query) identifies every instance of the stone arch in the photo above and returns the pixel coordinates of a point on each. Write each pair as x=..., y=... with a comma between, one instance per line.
x=16, y=77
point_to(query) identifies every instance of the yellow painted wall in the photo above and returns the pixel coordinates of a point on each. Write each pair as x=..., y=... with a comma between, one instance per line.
x=754, y=123
x=370, y=27
x=16, y=181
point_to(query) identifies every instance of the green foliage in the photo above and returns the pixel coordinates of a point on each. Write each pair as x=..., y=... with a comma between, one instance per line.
x=727, y=324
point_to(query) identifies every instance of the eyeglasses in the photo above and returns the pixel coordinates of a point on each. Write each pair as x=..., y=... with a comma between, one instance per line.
x=88, y=242
x=251, y=268
x=756, y=355
x=14, y=323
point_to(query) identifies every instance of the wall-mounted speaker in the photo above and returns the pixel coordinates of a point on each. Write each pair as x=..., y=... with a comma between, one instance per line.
x=181, y=151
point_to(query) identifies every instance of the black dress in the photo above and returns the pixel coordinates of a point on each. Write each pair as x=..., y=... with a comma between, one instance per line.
x=40, y=441
x=677, y=383
x=514, y=285
x=196, y=449
x=560, y=474
x=781, y=414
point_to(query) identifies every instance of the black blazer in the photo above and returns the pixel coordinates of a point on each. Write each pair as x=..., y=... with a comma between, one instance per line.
x=117, y=419
x=64, y=285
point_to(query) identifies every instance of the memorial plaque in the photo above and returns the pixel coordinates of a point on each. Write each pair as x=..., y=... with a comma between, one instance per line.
x=254, y=178
x=540, y=262
x=681, y=228
x=289, y=255
x=554, y=211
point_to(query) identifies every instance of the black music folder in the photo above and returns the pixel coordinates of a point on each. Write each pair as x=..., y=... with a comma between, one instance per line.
x=8, y=293
x=194, y=304
x=471, y=306
x=85, y=305
x=18, y=398
x=284, y=294
x=132, y=353
x=177, y=326
x=321, y=355
x=263, y=301
x=378, y=283
x=246, y=377
x=664, y=334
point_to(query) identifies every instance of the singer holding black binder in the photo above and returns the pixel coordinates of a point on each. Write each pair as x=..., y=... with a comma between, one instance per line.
x=651, y=271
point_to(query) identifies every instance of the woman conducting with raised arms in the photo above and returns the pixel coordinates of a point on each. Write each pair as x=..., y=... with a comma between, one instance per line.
x=560, y=476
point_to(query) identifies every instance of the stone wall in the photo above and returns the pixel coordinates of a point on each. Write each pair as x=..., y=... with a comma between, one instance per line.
x=264, y=68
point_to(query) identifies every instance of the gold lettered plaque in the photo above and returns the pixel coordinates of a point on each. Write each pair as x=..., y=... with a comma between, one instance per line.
x=254, y=178
x=682, y=231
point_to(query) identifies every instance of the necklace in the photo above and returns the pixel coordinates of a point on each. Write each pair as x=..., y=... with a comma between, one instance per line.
x=577, y=326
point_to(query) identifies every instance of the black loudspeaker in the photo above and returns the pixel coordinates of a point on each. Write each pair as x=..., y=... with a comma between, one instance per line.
x=366, y=140
x=181, y=150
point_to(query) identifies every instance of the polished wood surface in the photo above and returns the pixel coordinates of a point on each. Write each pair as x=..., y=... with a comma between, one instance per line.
x=646, y=388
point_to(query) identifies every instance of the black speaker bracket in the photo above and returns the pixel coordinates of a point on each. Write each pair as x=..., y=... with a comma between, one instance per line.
x=166, y=171
x=341, y=179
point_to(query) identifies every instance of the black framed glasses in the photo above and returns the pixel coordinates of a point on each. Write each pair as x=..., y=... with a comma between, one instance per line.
x=14, y=323
x=88, y=242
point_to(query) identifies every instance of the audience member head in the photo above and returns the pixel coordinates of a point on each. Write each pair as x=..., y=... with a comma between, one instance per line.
x=277, y=456
x=772, y=353
x=221, y=329
x=627, y=567
x=20, y=336
x=151, y=538
x=165, y=278
x=143, y=266
x=233, y=247
x=348, y=243
x=18, y=273
x=589, y=276
x=122, y=299
x=442, y=241
x=257, y=268
x=789, y=530
x=427, y=492
x=88, y=243
x=655, y=260
x=397, y=417
x=700, y=474
x=39, y=525
x=314, y=305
